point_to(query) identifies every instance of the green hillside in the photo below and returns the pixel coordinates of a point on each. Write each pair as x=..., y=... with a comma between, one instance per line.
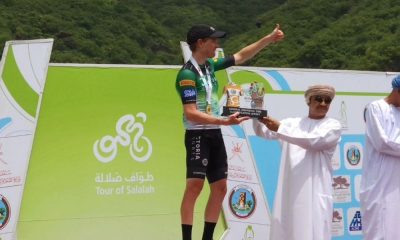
x=341, y=34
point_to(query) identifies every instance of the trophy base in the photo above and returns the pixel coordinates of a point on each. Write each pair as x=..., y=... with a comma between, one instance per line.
x=248, y=112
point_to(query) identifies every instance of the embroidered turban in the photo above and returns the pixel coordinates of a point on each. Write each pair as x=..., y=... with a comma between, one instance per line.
x=323, y=90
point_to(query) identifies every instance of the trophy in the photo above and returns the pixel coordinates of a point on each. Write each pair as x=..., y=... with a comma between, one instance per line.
x=253, y=96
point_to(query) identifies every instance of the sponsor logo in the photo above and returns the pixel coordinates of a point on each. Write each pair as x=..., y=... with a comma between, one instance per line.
x=204, y=162
x=337, y=222
x=189, y=93
x=353, y=155
x=237, y=172
x=356, y=224
x=249, y=233
x=236, y=151
x=129, y=135
x=340, y=182
x=342, y=189
x=196, y=146
x=5, y=212
x=184, y=83
x=337, y=216
x=242, y=201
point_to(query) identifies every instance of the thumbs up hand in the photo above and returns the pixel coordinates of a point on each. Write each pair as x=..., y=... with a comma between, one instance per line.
x=277, y=34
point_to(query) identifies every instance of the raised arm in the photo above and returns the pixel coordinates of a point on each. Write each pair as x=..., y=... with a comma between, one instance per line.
x=251, y=50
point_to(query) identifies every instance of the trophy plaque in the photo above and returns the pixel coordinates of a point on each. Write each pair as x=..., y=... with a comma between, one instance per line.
x=254, y=97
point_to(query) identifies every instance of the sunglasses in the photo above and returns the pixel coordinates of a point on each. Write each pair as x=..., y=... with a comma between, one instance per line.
x=321, y=99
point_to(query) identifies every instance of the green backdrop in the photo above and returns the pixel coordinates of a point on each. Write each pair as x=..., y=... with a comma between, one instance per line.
x=65, y=192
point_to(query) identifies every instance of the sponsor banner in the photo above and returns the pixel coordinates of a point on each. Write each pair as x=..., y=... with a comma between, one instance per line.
x=112, y=143
x=14, y=152
x=341, y=189
x=337, y=222
x=354, y=221
x=12, y=122
x=23, y=71
x=354, y=155
x=284, y=97
x=346, y=185
x=240, y=162
x=245, y=202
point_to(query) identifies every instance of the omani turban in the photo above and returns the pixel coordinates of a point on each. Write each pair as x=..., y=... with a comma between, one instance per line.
x=323, y=90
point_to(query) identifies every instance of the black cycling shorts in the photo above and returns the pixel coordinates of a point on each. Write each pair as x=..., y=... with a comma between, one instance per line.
x=206, y=155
